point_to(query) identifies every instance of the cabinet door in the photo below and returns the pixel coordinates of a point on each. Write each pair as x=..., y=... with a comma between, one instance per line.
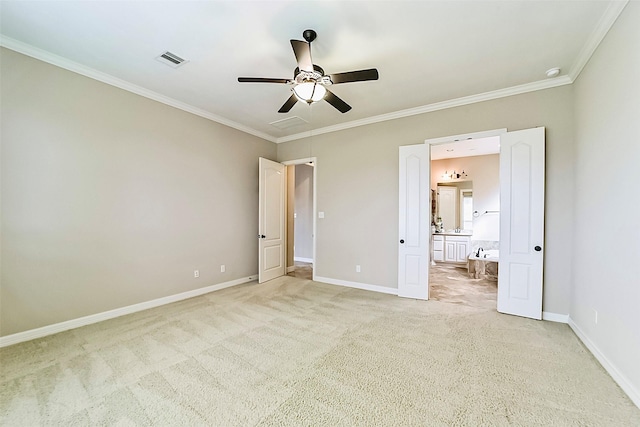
x=462, y=250
x=450, y=251
x=438, y=243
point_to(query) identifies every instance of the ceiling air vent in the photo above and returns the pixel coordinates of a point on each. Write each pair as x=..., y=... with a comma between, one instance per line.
x=288, y=123
x=171, y=59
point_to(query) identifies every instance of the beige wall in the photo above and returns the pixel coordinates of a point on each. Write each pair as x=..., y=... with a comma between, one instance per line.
x=111, y=199
x=484, y=173
x=357, y=185
x=606, y=226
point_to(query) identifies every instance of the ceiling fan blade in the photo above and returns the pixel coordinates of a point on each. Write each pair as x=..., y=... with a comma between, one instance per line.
x=354, y=76
x=261, y=80
x=289, y=104
x=302, y=51
x=338, y=103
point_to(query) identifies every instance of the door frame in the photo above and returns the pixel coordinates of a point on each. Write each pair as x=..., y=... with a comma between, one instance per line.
x=456, y=138
x=303, y=161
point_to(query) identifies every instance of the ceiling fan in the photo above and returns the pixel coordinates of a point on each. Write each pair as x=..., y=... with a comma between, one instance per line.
x=309, y=81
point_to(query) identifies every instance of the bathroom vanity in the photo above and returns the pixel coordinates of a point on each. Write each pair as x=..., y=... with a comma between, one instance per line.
x=451, y=246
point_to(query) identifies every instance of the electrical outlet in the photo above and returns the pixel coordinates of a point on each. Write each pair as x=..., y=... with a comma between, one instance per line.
x=223, y=268
x=196, y=273
x=595, y=316
x=357, y=269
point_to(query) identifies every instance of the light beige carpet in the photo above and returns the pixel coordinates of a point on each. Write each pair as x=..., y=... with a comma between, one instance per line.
x=293, y=352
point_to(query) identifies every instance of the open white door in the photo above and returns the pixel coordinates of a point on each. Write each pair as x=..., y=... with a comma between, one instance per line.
x=413, y=246
x=521, y=223
x=271, y=228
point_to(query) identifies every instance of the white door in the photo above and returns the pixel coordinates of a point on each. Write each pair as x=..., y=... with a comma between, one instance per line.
x=414, y=212
x=521, y=223
x=271, y=227
x=447, y=206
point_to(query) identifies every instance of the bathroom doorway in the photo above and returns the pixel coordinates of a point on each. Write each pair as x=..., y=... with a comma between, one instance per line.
x=465, y=194
x=520, y=220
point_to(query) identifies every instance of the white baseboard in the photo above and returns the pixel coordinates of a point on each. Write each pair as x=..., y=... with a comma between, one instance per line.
x=357, y=285
x=106, y=315
x=555, y=317
x=619, y=378
x=300, y=259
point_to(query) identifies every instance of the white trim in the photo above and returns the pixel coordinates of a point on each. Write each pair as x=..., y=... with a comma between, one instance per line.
x=602, y=28
x=357, y=285
x=618, y=377
x=555, y=317
x=604, y=25
x=297, y=258
x=300, y=161
x=464, y=136
x=75, y=67
x=106, y=315
x=608, y=19
x=466, y=100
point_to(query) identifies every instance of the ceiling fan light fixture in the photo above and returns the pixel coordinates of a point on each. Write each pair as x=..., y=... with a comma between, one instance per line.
x=309, y=92
x=309, y=80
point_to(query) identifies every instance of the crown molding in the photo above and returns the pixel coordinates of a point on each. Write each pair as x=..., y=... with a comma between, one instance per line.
x=466, y=100
x=597, y=35
x=75, y=67
x=604, y=25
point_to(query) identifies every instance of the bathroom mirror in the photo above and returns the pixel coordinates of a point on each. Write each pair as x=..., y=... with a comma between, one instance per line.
x=454, y=204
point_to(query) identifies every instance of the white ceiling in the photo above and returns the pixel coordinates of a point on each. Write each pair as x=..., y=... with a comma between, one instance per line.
x=430, y=54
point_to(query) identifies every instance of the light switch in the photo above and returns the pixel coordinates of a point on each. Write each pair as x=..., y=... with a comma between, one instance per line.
x=320, y=214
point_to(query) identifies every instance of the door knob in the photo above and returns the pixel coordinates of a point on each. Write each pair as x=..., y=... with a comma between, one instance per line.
x=537, y=248
x=261, y=236
x=401, y=240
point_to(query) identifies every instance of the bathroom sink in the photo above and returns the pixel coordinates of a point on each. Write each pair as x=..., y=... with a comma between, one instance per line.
x=462, y=232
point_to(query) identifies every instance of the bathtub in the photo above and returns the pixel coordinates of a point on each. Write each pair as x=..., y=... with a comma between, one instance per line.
x=488, y=255
x=484, y=266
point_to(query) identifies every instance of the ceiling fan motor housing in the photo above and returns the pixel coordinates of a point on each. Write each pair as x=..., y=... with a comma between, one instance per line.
x=317, y=75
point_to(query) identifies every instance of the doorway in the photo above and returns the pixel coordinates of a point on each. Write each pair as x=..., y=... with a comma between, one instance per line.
x=521, y=197
x=300, y=217
x=465, y=183
x=521, y=226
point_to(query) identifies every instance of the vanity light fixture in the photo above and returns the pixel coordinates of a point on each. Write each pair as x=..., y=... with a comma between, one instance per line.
x=454, y=175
